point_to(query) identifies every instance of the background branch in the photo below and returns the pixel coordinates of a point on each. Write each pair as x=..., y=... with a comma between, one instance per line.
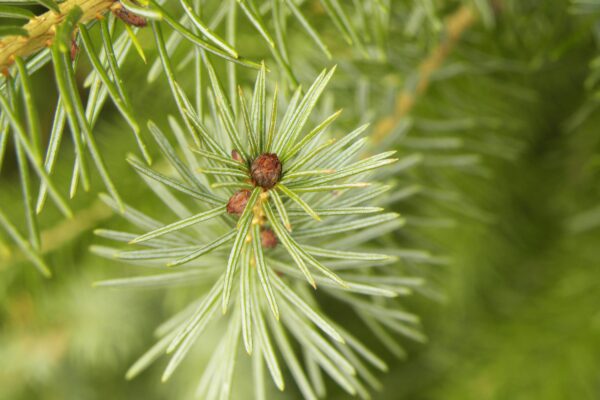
x=456, y=25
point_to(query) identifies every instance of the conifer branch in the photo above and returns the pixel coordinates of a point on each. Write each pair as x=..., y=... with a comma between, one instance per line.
x=41, y=29
x=456, y=25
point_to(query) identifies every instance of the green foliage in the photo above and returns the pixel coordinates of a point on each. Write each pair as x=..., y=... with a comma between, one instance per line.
x=494, y=171
x=318, y=178
x=327, y=180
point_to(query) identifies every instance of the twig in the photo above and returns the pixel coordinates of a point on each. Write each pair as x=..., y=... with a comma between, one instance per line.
x=456, y=25
x=67, y=230
x=42, y=29
x=55, y=237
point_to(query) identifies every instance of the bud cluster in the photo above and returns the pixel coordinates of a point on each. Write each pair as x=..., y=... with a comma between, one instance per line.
x=265, y=172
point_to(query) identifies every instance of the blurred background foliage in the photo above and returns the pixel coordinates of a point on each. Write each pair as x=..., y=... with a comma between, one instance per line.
x=508, y=200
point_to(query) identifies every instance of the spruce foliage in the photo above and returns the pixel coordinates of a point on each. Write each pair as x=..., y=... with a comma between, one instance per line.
x=269, y=182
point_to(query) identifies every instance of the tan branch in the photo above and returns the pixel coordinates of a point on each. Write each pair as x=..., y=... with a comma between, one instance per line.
x=70, y=229
x=42, y=29
x=55, y=237
x=67, y=230
x=455, y=26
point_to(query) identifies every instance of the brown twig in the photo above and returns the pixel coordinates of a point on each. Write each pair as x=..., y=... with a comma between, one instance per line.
x=455, y=26
x=42, y=29
x=53, y=238
x=70, y=229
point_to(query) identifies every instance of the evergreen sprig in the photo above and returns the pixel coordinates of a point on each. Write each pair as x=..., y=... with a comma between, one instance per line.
x=274, y=198
x=310, y=221
x=69, y=25
x=63, y=29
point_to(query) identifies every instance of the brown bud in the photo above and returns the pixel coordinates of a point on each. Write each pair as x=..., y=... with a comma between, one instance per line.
x=268, y=239
x=74, y=49
x=128, y=17
x=266, y=170
x=237, y=156
x=237, y=202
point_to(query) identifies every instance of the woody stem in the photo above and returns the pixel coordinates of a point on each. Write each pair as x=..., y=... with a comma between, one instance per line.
x=42, y=29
